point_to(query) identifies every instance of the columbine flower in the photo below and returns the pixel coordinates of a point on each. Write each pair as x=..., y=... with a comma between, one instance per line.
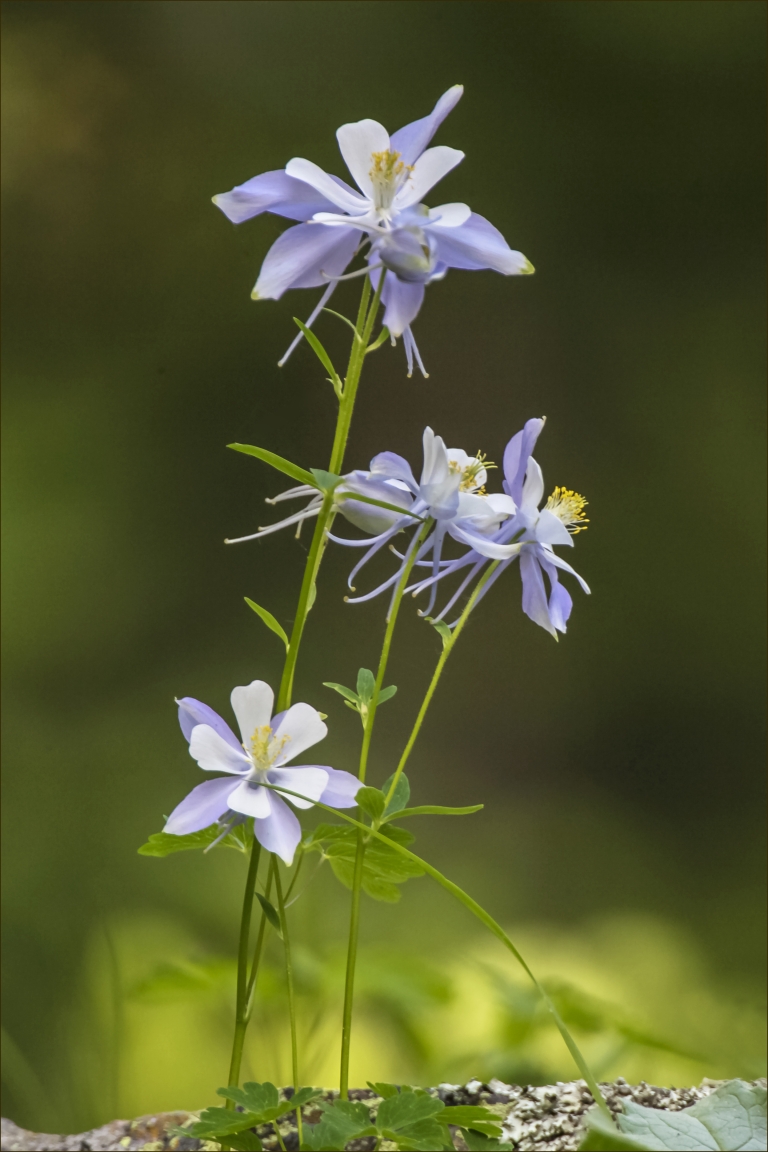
x=410, y=244
x=268, y=744
x=367, y=517
x=450, y=492
x=529, y=535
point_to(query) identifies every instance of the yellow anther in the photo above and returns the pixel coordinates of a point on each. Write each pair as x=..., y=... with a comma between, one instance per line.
x=569, y=507
x=387, y=175
x=264, y=748
x=470, y=472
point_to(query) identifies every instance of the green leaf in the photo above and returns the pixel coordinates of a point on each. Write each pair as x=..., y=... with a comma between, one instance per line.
x=371, y=800
x=312, y=596
x=269, y=620
x=245, y=1142
x=400, y=796
x=220, y=1122
x=271, y=913
x=382, y=336
x=278, y=462
x=426, y=1135
x=163, y=844
x=435, y=810
x=603, y=1136
x=733, y=1117
x=366, y=683
x=302, y=1097
x=350, y=696
x=387, y=693
x=383, y=866
x=383, y=1090
x=440, y=626
x=477, y=1117
x=476, y=1142
x=325, y=481
x=342, y=1121
x=321, y=354
x=262, y=1100
x=339, y=316
x=407, y=1107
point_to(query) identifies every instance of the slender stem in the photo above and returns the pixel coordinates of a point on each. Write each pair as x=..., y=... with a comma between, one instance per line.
x=357, y=877
x=291, y=1002
x=259, y=943
x=365, y=321
x=366, y=317
x=447, y=649
x=489, y=922
x=241, y=1013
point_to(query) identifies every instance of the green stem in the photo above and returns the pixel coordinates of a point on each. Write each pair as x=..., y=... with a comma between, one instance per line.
x=366, y=317
x=448, y=644
x=291, y=1002
x=259, y=943
x=357, y=877
x=241, y=1012
x=363, y=328
x=491, y=924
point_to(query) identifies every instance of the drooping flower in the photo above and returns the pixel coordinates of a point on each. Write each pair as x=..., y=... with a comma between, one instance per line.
x=530, y=535
x=451, y=494
x=368, y=517
x=268, y=744
x=410, y=244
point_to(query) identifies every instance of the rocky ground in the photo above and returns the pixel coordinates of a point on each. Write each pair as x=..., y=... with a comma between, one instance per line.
x=543, y=1118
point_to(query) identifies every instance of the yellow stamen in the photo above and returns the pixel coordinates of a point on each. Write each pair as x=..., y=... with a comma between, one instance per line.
x=388, y=174
x=469, y=473
x=265, y=749
x=569, y=507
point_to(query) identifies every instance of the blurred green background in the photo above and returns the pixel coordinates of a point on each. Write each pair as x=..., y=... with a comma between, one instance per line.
x=620, y=147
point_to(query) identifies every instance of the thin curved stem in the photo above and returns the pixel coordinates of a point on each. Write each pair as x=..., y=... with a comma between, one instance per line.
x=241, y=1010
x=448, y=644
x=291, y=1001
x=357, y=877
x=259, y=943
x=489, y=922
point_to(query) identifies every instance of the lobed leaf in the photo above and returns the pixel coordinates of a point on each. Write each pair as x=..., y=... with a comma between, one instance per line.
x=477, y=1117
x=372, y=801
x=278, y=462
x=164, y=844
x=271, y=914
x=262, y=1100
x=221, y=1122
x=341, y=1121
x=733, y=1118
x=476, y=1142
x=269, y=620
x=245, y=1142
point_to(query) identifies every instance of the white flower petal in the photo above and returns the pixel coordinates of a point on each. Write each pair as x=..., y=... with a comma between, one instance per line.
x=449, y=215
x=533, y=487
x=565, y=567
x=310, y=782
x=428, y=169
x=313, y=175
x=280, y=832
x=303, y=726
x=551, y=530
x=357, y=143
x=252, y=705
x=251, y=801
x=214, y=754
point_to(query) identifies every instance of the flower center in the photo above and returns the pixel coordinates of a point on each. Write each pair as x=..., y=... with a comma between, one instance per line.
x=388, y=175
x=265, y=748
x=569, y=507
x=472, y=473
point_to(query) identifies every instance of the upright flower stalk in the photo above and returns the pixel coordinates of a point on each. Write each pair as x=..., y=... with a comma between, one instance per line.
x=405, y=245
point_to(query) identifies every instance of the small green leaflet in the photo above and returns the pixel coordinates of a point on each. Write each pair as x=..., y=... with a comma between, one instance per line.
x=440, y=626
x=382, y=336
x=278, y=462
x=341, y=1121
x=246, y=1142
x=732, y=1118
x=383, y=867
x=366, y=683
x=400, y=796
x=435, y=810
x=269, y=620
x=163, y=844
x=347, y=693
x=321, y=354
x=372, y=801
x=271, y=914
x=476, y=1142
x=325, y=481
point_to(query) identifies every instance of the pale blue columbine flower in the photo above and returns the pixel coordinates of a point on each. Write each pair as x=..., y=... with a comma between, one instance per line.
x=530, y=535
x=268, y=744
x=451, y=493
x=410, y=244
x=368, y=517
